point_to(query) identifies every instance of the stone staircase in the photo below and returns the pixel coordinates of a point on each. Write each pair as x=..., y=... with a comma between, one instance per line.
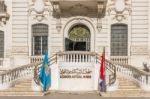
x=22, y=88
x=127, y=89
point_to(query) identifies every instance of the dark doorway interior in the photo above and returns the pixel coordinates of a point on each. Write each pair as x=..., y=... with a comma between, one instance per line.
x=74, y=45
x=80, y=46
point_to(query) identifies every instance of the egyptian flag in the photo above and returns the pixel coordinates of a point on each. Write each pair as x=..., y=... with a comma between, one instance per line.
x=102, y=73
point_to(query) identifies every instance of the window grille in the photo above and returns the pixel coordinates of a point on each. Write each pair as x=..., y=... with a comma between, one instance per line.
x=119, y=40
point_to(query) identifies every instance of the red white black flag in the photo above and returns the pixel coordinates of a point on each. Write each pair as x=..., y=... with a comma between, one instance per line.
x=102, y=73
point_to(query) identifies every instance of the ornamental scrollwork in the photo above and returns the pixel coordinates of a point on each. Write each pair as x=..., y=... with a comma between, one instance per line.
x=4, y=16
x=119, y=9
x=38, y=8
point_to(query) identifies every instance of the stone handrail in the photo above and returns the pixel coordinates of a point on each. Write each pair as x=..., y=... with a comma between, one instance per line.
x=7, y=78
x=131, y=72
x=12, y=75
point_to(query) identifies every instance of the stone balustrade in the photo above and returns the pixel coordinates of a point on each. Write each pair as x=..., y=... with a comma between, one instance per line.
x=132, y=73
x=8, y=78
x=35, y=59
x=119, y=59
x=77, y=57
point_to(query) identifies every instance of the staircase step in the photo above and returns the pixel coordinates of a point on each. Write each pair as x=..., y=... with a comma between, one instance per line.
x=128, y=86
x=22, y=88
x=129, y=89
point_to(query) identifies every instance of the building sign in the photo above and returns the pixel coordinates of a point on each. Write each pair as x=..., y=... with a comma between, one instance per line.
x=78, y=73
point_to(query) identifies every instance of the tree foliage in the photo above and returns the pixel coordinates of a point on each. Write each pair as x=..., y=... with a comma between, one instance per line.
x=79, y=31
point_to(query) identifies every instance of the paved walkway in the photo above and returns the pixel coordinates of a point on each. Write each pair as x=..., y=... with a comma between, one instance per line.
x=73, y=96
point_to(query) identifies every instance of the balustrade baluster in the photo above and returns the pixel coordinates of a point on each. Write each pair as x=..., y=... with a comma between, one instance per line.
x=147, y=79
x=80, y=59
x=90, y=58
x=64, y=58
x=77, y=58
x=70, y=57
x=86, y=58
x=67, y=58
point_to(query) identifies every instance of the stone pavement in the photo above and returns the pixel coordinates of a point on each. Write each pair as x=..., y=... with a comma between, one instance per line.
x=73, y=96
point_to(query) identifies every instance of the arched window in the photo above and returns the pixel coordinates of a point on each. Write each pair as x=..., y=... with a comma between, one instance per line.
x=119, y=40
x=39, y=39
x=1, y=44
x=78, y=38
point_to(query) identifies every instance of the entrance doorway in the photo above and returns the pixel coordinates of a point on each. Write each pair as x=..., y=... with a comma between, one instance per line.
x=78, y=39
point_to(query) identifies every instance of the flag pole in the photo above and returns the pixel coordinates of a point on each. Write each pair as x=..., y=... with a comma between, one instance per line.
x=104, y=72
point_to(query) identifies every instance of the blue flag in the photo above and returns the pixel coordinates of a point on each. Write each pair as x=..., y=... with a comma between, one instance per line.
x=45, y=73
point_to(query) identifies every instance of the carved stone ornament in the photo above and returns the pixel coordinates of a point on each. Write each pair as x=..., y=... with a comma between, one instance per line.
x=100, y=8
x=4, y=16
x=38, y=8
x=57, y=13
x=119, y=7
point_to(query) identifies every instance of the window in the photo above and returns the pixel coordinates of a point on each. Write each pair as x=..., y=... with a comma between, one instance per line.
x=1, y=44
x=119, y=40
x=39, y=39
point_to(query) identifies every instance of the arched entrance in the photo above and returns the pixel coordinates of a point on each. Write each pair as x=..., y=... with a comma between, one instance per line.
x=78, y=38
x=76, y=23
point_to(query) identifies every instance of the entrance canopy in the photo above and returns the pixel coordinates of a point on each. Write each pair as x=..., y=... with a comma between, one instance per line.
x=80, y=7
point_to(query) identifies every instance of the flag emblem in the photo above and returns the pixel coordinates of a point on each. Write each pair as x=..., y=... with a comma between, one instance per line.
x=45, y=74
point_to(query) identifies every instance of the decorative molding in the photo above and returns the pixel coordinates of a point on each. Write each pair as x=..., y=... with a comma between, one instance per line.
x=38, y=8
x=101, y=12
x=119, y=9
x=4, y=16
x=57, y=14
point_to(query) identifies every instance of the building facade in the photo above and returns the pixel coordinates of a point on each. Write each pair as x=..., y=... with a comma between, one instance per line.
x=30, y=27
